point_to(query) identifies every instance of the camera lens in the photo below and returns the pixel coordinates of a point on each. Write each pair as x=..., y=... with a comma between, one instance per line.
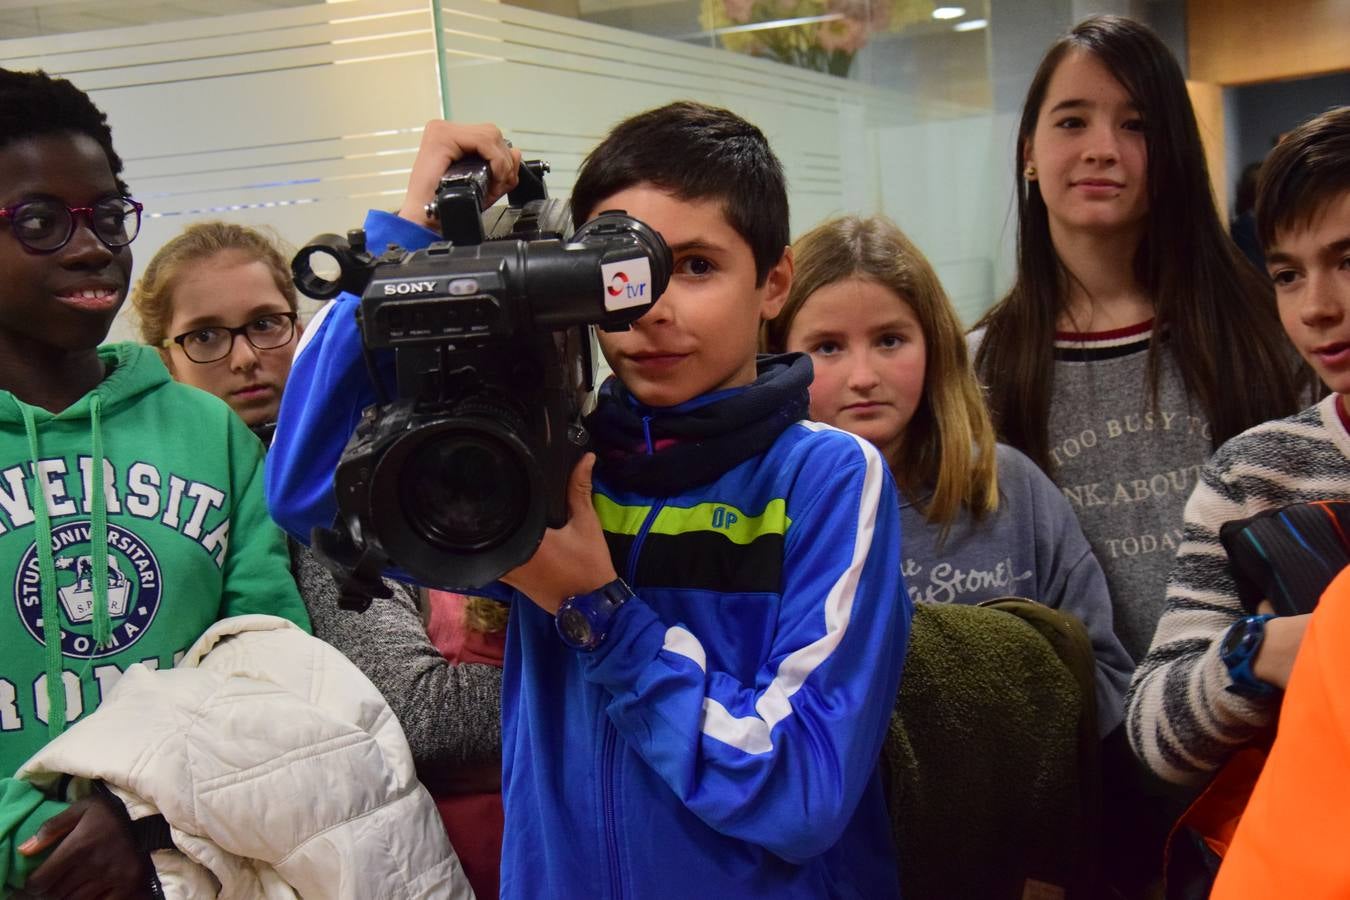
x=465, y=492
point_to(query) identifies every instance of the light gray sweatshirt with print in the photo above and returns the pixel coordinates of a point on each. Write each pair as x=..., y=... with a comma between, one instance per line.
x=1031, y=546
x=1127, y=468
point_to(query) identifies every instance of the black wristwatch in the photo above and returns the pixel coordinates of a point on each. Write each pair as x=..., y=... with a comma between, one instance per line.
x=1238, y=652
x=584, y=620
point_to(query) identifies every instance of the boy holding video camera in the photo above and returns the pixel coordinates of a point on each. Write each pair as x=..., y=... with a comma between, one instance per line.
x=701, y=664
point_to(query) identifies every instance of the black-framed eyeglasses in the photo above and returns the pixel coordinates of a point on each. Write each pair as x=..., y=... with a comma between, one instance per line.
x=215, y=342
x=45, y=226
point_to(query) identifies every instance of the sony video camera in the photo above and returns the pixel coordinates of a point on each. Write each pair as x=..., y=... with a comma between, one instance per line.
x=453, y=479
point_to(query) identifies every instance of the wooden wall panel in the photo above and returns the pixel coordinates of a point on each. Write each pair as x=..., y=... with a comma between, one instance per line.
x=1207, y=101
x=1250, y=41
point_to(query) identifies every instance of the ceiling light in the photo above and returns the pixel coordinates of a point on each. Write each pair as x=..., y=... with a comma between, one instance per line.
x=971, y=25
x=949, y=12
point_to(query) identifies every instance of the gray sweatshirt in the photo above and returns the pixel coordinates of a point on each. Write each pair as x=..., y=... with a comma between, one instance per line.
x=450, y=713
x=1031, y=546
x=1125, y=465
x=1127, y=468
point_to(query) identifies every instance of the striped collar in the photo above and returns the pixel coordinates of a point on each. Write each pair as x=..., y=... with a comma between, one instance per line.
x=1089, y=346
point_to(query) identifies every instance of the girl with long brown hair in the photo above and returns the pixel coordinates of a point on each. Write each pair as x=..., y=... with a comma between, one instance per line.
x=1135, y=339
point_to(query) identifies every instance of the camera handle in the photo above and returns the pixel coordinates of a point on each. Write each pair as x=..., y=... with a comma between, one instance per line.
x=356, y=573
x=529, y=183
x=458, y=206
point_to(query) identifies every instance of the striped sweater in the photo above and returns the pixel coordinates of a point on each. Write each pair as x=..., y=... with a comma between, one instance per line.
x=1183, y=722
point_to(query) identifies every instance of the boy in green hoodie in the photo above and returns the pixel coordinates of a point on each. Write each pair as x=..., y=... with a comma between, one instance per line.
x=154, y=524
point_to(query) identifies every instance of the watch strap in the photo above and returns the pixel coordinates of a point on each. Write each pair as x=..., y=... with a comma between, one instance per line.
x=1249, y=633
x=598, y=608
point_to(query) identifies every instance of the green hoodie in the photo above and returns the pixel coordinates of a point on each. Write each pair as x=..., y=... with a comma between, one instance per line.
x=131, y=570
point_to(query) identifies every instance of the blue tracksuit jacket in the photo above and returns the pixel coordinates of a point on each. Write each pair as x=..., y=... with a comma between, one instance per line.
x=723, y=741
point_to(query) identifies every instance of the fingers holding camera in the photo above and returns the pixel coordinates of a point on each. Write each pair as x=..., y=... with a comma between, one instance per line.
x=446, y=142
x=505, y=173
x=570, y=560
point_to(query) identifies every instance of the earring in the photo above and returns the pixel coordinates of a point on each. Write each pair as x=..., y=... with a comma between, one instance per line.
x=1029, y=173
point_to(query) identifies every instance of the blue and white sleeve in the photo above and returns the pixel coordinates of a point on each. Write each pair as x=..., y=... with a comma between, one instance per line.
x=328, y=388
x=783, y=762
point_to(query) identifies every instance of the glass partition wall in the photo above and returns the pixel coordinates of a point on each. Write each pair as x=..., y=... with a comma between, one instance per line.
x=303, y=114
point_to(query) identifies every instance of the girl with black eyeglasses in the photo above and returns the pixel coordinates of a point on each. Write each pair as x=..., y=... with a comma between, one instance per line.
x=219, y=303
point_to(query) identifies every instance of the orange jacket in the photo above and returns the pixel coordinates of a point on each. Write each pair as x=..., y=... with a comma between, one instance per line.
x=1293, y=836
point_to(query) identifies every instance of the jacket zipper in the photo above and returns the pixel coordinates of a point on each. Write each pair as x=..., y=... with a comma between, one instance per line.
x=631, y=566
x=612, y=736
x=611, y=831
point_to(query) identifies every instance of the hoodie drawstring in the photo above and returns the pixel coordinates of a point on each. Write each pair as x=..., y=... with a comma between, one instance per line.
x=51, y=616
x=98, y=539
x=647, y=434
x=98, y=527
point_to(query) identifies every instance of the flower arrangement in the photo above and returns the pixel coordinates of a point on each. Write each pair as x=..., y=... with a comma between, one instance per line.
x=818, y=34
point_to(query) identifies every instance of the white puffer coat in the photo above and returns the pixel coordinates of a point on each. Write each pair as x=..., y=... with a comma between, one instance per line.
x=278, y=766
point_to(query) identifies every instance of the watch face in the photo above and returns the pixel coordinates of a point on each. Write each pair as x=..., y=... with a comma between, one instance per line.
x=1233, y=639
x=576, y=628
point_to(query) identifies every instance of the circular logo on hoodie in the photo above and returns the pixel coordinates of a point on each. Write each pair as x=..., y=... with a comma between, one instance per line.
x=134, y=589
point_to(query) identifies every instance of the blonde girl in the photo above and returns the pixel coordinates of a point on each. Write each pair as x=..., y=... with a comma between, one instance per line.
x=218, y=303
x=979, y=520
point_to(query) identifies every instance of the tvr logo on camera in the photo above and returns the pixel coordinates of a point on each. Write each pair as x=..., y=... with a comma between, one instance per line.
x=619, y=287
x=627, y=283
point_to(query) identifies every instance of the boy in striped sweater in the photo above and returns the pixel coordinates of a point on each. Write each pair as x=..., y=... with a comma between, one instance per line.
x=1213, y=677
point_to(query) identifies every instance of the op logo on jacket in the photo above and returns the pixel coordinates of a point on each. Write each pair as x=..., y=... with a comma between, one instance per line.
x=134, y=589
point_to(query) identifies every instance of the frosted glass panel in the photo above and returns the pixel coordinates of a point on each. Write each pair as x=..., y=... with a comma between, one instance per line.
x=303, y=115
x=38, y=18
x=298, y=118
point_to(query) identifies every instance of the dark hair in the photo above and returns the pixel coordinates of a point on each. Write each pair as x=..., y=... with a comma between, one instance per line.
x=34, y=104
x=696, y=152
x=1304, y=172
x=1217, y=311
x=1245, y=198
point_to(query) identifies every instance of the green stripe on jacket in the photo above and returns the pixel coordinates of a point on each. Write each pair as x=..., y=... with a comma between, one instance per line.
x=722, y=518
